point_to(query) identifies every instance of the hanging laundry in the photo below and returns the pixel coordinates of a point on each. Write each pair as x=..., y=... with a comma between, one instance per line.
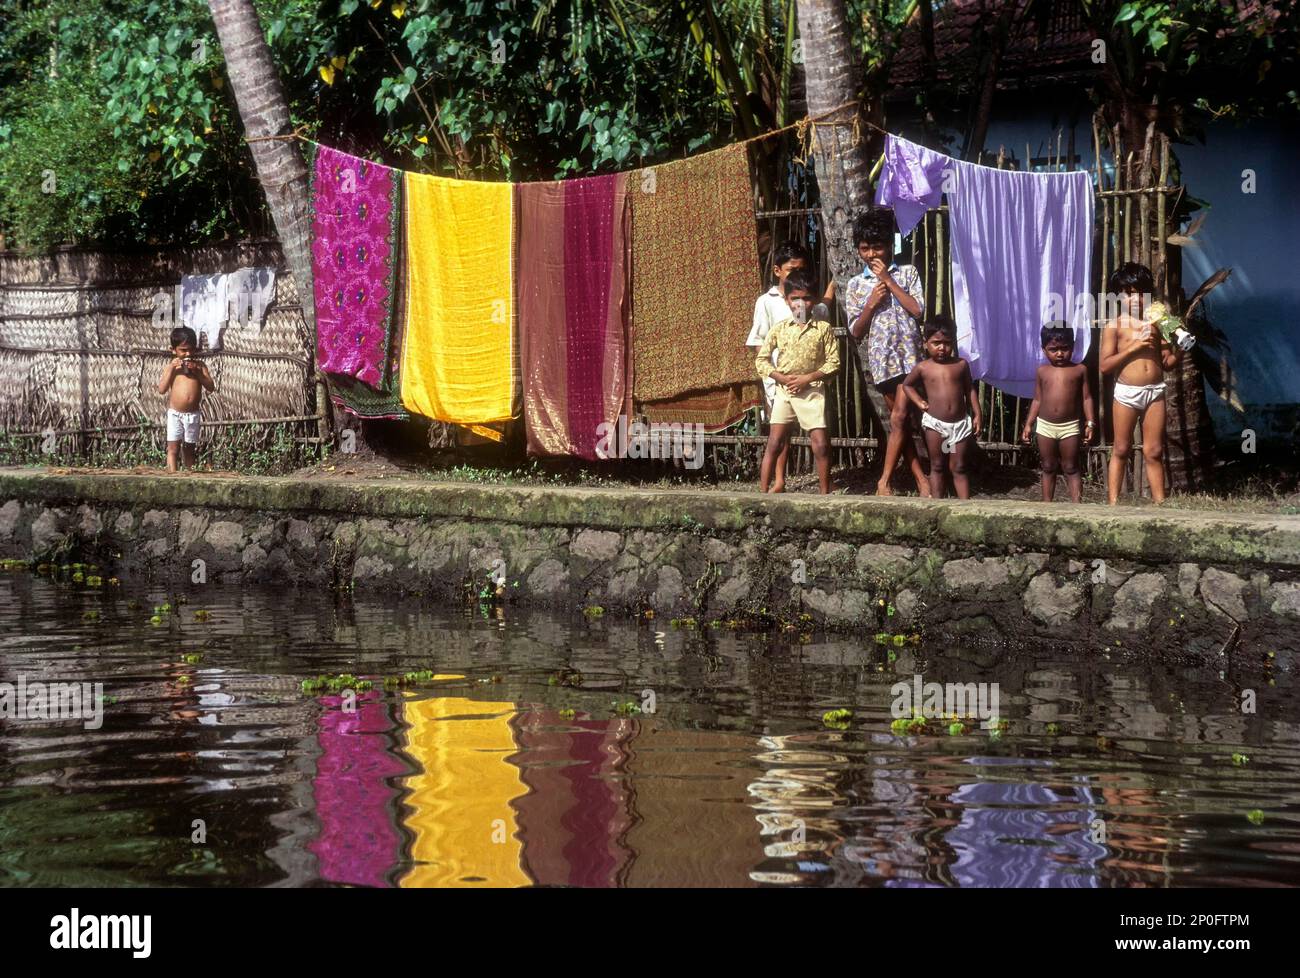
x=573, y=311
x=356, y=214
x=1021, y=252
x=249, y=292
x=204, y=308
x=693, y=268
x=911, y=181
x=1021, y=257
x=459, y=361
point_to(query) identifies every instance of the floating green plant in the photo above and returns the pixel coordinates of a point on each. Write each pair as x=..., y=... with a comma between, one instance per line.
x=628, y=708
x=568, y=714
x=78, y=577
x=184, y=680
x=837, y=718
x=108, y=700
x=956, y=728
x=156, y=620
x=1255, y=816
x=202, y=615
x=91, y=615
x=999, y=725
x=565, y=677
x=683, y=623
x=916, y=724
x=1240, y=760
x=593, y=611
x=192, y=658
x=1053, y=729
x=335, y=684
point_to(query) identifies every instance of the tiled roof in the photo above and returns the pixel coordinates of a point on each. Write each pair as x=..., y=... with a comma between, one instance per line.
x=1061, y=47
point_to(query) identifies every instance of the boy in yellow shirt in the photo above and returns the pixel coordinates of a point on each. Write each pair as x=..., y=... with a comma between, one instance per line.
x=807, y=354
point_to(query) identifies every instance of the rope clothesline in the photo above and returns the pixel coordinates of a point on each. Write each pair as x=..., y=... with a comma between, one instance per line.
x=805, y=128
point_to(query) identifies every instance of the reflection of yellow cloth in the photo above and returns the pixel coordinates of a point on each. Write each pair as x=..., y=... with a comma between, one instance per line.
x=464, y=823
x=459, y=362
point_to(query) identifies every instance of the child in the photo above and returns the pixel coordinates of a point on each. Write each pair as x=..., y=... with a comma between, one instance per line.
x=770, y=309
x=807, y=353
x=951, y=409
x=184, y=380
x=1060, y=388
x=884, y=303
x=1133, y=348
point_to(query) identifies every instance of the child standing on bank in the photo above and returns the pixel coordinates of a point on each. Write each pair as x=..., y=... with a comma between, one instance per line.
x=1133, y=348
x=184, y=380
x=807, y=353
x=770, y=309
x=1060, y=391
x=950, y=409
x=884, y=304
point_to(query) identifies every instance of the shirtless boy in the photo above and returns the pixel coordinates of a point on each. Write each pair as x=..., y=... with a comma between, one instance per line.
x=184, y=380
x=1133, y=349
x=1060, y=391
x=950, y=406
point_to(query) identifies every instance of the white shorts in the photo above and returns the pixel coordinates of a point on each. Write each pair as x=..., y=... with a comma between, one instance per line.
x=954, y=432
x=1139, y=398
x=183, y=426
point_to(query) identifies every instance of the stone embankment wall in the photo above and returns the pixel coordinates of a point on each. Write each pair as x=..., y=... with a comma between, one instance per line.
x=856, y=562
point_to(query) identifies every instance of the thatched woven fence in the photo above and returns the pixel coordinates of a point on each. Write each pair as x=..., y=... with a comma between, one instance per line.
x=82, y=347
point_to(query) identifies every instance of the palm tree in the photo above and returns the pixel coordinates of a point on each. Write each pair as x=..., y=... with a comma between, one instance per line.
x=281, y=168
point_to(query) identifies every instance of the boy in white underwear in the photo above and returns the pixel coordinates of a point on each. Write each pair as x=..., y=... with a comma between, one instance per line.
x=184, y=380
x=1060, y=390
x=1133, y=349
x=950, y=416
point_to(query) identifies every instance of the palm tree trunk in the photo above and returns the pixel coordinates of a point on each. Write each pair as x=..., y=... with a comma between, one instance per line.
x=842, y=163
x=281, y=168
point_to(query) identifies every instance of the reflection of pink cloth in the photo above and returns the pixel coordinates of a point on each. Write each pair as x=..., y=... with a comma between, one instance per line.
x=358, y=842
x=574, y=818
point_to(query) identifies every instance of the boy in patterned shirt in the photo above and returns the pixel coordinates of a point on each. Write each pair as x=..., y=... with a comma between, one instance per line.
x=807, y=354
x=884, y=304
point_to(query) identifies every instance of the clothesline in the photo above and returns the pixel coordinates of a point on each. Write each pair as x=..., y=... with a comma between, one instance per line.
x=804, y=128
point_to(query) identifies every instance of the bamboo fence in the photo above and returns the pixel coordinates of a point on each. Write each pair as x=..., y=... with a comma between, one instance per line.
x=1133, y=221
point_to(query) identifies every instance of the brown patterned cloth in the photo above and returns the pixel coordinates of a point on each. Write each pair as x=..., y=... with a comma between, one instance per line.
x=694, y=278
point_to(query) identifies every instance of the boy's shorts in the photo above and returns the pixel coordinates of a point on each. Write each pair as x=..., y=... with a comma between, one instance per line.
x=183, y=426
x=808, y=408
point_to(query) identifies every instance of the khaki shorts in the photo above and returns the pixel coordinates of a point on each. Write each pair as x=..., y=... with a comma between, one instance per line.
x=809, y=408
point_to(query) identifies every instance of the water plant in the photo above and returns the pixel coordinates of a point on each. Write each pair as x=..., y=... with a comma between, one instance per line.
x=838, y=719
x=565, y=677
x=1255, y=816
x=956, y=728
x=627, y=708
x=192, y=658
x=568, y=714
x=1053, y=729
x=593, y=611
x=156, y=620
x=202, y=615
x=335, y=684
x=1240, y=760
x=91, y=615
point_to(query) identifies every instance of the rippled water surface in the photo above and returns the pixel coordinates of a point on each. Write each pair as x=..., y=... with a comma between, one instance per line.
x=1114, y=772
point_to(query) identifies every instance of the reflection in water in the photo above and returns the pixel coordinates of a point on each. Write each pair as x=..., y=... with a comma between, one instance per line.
x=462, y=799
x=480, y=779
x=358, y=842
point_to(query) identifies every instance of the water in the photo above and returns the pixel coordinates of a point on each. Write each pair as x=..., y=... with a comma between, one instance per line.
x=476, y=779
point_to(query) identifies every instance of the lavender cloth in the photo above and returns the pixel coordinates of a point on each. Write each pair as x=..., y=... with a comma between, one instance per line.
x=1021, y=252
x=911, y=181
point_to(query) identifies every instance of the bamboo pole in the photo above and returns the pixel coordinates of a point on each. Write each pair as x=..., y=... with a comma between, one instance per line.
x=1144, y=200
x=1162, y=253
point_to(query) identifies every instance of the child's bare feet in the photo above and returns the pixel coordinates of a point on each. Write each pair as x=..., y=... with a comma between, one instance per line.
x=777, y=487
x=883, y=488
